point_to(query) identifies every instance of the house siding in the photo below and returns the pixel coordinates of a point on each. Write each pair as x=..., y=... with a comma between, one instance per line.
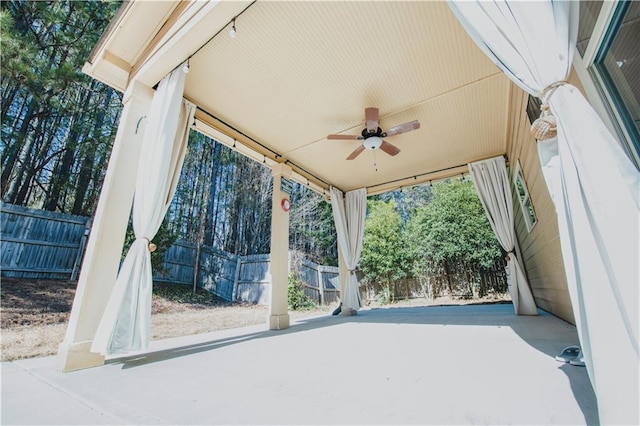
x=540, y=248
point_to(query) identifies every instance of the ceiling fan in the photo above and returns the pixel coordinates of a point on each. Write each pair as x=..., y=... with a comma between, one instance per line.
x=371, y=136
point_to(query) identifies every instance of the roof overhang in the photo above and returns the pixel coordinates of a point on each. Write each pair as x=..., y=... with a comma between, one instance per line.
x=299, y=71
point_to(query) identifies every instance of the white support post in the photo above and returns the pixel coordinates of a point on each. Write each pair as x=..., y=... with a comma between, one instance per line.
x=278, y=309
x=104, y=247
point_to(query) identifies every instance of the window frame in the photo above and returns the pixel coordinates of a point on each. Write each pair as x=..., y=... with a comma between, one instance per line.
x=524, y=200
x=599, y=69
x=599, y=87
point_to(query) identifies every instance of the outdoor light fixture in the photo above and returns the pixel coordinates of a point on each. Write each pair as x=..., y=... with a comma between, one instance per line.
x=232, y=31
x=372, y=142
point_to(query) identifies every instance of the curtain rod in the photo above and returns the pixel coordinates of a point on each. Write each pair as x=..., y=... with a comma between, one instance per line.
x=275, y=154
x=415, y=177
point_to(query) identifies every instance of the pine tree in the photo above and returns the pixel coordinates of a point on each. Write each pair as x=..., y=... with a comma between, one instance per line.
x=50, y=110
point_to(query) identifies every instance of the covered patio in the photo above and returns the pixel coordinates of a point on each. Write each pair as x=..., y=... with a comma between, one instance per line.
x=475, y=364
x=292, y=85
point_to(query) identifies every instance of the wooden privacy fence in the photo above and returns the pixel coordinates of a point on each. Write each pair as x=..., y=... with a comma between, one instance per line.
x=467, y=282
x=47, y=245
x=242, y=278
x=321, y=283
x=228, y=276
x=41, y=244
x=459, y=281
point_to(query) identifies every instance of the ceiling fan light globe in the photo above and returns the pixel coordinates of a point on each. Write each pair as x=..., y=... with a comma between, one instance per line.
x=372, y=142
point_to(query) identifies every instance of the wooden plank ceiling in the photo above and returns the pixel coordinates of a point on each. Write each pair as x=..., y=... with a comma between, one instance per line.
x=299, y=71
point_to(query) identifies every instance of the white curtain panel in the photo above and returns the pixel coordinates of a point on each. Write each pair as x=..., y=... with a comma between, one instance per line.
x=594, y=186
x=125, y=324
x=349, y=214
x=491, y=181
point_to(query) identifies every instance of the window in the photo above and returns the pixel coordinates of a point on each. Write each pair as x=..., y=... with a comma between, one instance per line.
x=589, y=12
x=618, y=65
x=533, y=108
x=524, y=198
x=609, y=47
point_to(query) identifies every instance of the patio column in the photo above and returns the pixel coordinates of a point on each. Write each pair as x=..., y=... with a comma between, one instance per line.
x=279, y=263
x=104, y=248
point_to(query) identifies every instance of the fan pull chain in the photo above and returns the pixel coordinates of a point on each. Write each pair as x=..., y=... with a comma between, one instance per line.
x=375, y=163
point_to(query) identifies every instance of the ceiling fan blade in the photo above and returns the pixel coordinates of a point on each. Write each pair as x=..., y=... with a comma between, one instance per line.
x=403, y=128
x=355, y=153
x=389, y=149
x=371, y=118
x=344, y=137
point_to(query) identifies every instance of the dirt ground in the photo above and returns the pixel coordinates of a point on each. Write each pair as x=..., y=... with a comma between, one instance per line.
x=24, y=303
x=34, y=314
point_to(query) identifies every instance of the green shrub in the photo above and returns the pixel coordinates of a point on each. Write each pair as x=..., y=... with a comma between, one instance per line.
x=384, y=296
x=296, y=298
x=163, y=239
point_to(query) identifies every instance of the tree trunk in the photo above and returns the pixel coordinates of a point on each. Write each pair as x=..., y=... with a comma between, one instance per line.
x=88, y=159
x=62, y=174
x=448, y=275
x=12, y=154
x=210, y=223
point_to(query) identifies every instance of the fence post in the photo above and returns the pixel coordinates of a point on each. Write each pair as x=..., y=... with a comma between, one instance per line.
x=320, y=283
x=80, y=255
x=196, y=267
x=236, y=279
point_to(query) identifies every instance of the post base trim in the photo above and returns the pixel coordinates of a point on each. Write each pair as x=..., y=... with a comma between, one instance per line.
x=279, y=322
x=77, y=356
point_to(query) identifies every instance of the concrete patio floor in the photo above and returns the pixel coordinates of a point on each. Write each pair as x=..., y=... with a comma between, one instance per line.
x=475, y=364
